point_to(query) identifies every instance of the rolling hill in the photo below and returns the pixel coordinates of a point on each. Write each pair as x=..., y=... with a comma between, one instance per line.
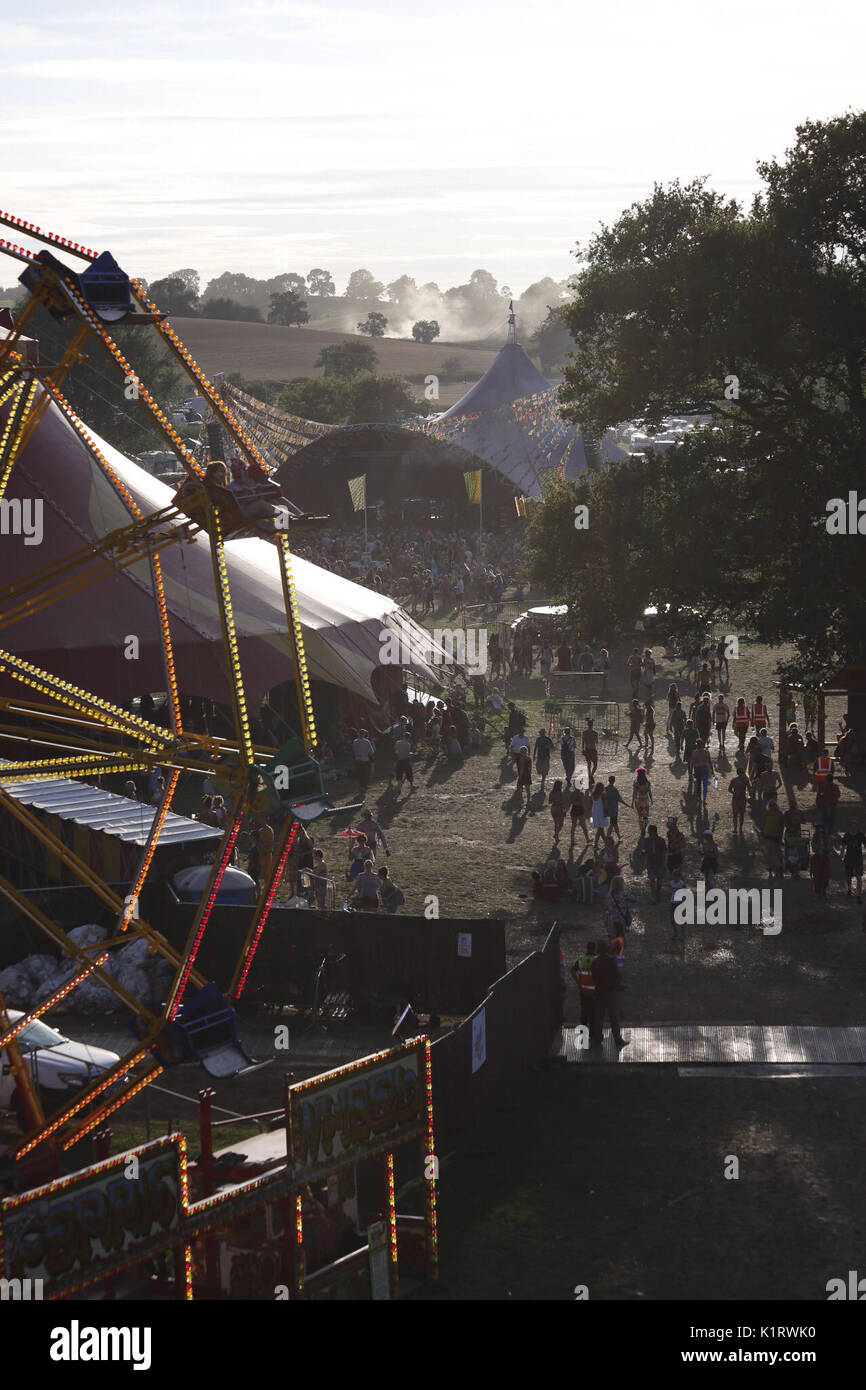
x=267, y=351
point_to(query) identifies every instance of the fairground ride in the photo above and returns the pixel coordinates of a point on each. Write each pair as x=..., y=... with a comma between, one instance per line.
x=89, y=736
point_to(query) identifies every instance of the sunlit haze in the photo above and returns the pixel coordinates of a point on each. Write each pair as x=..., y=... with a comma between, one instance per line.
x=273, y=137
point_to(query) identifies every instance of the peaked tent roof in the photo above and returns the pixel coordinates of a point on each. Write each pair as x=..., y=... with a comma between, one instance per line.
x=510, y=377
x=82, y=637
x=511, y=420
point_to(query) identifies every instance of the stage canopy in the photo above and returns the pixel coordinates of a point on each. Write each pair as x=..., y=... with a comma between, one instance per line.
x=85, y=488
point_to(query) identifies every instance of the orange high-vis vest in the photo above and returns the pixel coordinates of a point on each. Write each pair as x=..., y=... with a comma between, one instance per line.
x=742, y=718
x=823, y=767
x=759, y=714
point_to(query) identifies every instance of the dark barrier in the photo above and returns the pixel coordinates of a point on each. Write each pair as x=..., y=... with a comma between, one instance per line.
x=389, y=960
x=476, y=1065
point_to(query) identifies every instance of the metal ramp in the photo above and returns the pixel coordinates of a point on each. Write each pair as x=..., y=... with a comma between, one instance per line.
x=712, y=1044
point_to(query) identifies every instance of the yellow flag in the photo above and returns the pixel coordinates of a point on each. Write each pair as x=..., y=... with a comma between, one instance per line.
x=472, y=479
x=358, y=492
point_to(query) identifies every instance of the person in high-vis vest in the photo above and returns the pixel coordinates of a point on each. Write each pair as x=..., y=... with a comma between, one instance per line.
x=823, y=765
x=742, y=720
x=582, y=972
x=759, y=713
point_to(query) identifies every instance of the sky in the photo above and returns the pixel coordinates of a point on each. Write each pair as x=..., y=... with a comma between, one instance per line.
x=433, y=140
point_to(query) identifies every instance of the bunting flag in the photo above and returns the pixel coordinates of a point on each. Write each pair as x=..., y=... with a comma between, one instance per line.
x=472, y=479
x=358, y=492
x=276, y=434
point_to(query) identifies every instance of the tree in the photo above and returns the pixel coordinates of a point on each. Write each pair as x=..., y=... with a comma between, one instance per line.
x=452, y=369
x=230, y=309
x=381, y=399
x=374, y=325
x=402, y=291
x=321, y=283
x=363, y=285
x=173, y=297
x=551, y=341
x=243, y=289
x=190, y=279
x=288, y=308
x=279, y=284
x=425, y=330
x=757, y=320
x=347, y=359
x=326, y=399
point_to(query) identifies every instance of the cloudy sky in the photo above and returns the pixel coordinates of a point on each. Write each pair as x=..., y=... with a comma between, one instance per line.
x=268, y=137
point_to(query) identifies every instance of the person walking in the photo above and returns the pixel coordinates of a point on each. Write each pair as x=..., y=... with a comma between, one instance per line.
x=599, y=814
x=557, y=809
x=827, y=802
x=701, y=769
x=690, y=739
x=641, y=799
x=676, y=847
x=677, y=723
x=654, y=855
x=614, y=801
x=704, y=718
x=772, y=832
x=709, y=859
x=578, y=814
x=738, y=789
x=649, y=728
x=567, y=753
x=721, y=715
x=673, y=701
x=677, y=890
x=542, y=751
x=403, y=756
x=373, y=832
x=367, y=889
x=589, y=748
x=852, y=857
x=608, y=987
x=742, y=720
x=635, y=720
x=392, y=897
x=363, y=754
x=524, y=775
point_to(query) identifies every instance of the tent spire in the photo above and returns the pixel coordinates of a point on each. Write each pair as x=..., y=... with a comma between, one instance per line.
x=512, y=323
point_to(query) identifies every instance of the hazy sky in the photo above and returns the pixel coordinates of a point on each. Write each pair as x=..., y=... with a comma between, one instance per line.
x=267, y=137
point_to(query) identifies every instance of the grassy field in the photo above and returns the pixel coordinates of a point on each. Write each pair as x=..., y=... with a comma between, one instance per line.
x=267, y=351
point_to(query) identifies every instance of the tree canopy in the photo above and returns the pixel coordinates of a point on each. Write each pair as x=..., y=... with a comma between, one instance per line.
x=347, y=359
x=425, y=330
x=373, y=325
x=756, y=321
x=363, y=398
x=287, y=309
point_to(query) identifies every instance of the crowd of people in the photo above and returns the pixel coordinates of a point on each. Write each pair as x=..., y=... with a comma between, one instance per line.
x=423, y=568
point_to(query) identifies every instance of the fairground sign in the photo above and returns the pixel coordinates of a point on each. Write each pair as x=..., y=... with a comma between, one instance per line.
x=78, y=1230
x=363, y=1109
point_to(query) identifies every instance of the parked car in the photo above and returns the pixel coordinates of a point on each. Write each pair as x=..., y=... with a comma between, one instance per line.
x=59, y=1065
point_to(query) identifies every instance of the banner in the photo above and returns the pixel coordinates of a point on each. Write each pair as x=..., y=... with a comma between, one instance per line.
x=358, y=492
x=472, y=479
